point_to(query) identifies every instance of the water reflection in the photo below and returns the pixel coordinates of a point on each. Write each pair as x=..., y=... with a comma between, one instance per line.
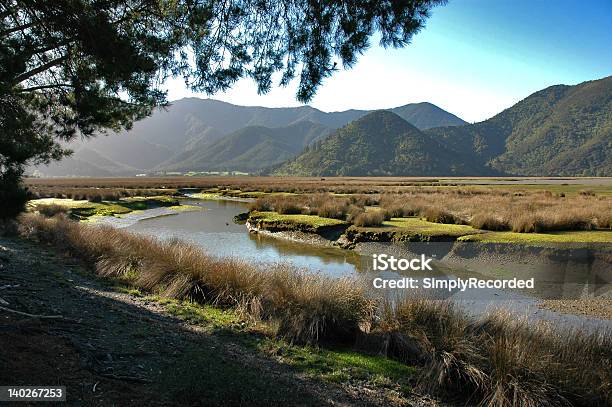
x=212, y=229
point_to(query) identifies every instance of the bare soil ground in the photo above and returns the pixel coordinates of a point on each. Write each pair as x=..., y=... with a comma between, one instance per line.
x=111, y=348
x=600, y=308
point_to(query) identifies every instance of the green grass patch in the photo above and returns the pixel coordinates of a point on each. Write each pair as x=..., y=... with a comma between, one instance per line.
x=408, y=229
x=203, y=315
x=590, y=236
x=307, y=220
x=83, y=210
x=430, y=228
x=340, y=365
x=206, y=195
x=331, y=365
x=218, y=194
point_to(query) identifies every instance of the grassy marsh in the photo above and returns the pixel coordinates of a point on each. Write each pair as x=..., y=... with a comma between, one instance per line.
x=593, y=236
x=83, y=209
x=309, y=221
x=495, y=360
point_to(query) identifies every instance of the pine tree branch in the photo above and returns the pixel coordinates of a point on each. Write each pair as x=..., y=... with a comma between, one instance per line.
x=27, y=75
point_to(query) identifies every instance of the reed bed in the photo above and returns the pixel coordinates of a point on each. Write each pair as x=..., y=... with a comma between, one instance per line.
x=523, y=213
x=92, y=194
x=495, y=361
x=347, y=185
x=528, y=213
x=499, y=359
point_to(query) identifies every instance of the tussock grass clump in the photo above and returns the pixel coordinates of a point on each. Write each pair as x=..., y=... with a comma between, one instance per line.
x=435, y=333
x=50, y=210
x=286, y=207
x=538, y=222
x=261, y=205
x=538, y=211
x=497, y=360
x=332, y=209
x=604, y=220
x=439, y=215
x=488, y=222
x=92, y=194
x=526, y=223
x=370, y=218
x=353, y=211
x=324, y=205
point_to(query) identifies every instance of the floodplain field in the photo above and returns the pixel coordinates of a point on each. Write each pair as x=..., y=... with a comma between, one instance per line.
x=600, y=185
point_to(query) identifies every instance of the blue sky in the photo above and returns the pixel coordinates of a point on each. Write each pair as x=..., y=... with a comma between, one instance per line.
x=474, y=58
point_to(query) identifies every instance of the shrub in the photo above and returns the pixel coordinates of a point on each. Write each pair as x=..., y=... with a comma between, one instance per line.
x=488, y=222
x=370, y=218
x=439, y=215
x=50, y=210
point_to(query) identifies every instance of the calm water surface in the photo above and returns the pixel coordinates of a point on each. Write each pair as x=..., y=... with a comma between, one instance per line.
x=212, y=229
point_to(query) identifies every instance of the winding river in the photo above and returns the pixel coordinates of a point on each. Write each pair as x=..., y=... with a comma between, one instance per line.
x=212, y=228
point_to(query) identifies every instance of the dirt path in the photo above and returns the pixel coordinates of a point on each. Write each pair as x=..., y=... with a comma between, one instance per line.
x=111, y=348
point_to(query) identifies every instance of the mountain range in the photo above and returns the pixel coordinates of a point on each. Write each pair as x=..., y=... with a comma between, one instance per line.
x=561, y=130
x=208, y=135
x=380, y=143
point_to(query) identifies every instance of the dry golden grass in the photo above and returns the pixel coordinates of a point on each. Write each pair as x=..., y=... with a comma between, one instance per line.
x=265, y=184
x=498, y=360
x=533, y=212
x=525, y=213
x=306, y=308
x=50, y=210
x=495, y=361
x=451, y=200
x=92, y=194
x=370, y=218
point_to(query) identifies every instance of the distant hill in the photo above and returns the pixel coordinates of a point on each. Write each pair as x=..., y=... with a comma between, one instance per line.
x=426, y=115
x=177, y=137
x=249, y=149
x=378, y=144
x=561, y=130
x=88, y=163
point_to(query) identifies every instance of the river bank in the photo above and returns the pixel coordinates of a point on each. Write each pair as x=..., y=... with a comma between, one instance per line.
x=122, y=346
x=296, y=304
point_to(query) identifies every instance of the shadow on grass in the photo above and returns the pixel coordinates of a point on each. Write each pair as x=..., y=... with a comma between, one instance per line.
x=106, y=350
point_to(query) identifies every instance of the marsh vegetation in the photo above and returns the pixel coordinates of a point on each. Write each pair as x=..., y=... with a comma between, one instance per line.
x=494, y=360
x=486, y=209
